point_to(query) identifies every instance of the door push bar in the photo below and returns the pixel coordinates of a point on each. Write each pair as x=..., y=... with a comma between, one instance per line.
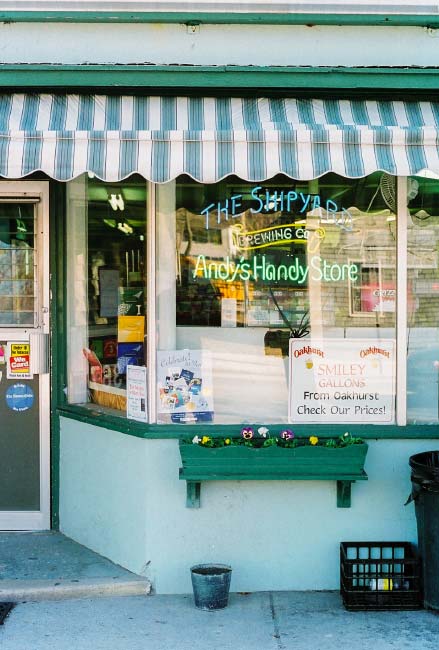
x=39, y=353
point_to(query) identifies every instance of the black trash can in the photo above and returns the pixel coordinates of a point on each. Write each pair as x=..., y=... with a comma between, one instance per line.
x=425, y=494
x=211, y=584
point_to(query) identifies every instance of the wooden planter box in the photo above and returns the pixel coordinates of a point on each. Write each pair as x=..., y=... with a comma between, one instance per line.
x=342, y=464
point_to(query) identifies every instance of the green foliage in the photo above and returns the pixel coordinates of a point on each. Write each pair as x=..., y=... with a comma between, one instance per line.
x=286, y=439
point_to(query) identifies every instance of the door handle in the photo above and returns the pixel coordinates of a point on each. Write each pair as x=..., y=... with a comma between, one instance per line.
x=39, y=353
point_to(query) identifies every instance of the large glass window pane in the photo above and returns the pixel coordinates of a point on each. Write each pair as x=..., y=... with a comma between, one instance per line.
x=106, y=291
x=17, y=265
x=244, y=267
x=423, y=301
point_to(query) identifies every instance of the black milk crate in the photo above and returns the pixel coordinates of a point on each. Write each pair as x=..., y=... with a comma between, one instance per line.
x=380, y=575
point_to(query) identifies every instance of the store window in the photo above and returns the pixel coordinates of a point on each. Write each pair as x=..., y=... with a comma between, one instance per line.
x=276, y=301
x=423, y=301
x=106, y=289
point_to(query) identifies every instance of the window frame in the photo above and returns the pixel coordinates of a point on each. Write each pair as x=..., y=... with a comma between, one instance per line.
x=162, y=431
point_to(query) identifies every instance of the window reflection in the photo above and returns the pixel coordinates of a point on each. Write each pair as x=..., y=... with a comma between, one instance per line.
x=258, y=263
x=423, y=302
x=107, y=261
x=17, y=283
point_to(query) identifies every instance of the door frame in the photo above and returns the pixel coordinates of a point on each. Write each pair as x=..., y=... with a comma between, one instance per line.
x=35, y=519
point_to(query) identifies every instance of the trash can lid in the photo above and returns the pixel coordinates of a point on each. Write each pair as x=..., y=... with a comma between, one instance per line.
x=425, y=465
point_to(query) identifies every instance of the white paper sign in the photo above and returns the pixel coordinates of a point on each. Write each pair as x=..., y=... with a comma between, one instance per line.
x=137, y=400
x=342, y=381
x=228, y=312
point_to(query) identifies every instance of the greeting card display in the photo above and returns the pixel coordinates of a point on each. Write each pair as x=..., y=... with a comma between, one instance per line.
x=185, y=392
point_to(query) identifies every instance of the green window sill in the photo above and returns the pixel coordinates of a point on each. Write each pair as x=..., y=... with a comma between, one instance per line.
x=113, y=422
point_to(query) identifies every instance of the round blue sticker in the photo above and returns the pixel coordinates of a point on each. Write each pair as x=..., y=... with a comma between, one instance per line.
x=19, y=397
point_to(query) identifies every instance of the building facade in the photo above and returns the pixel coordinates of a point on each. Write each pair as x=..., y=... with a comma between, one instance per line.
x=214, y=220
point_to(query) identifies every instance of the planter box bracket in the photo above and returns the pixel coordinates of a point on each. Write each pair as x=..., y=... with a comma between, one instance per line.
x=193, y=490
x=344, y=489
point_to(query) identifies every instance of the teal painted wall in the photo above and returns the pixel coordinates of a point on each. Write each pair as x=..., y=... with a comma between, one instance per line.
x=121, y=496
x=218, y=44
x=103, y=492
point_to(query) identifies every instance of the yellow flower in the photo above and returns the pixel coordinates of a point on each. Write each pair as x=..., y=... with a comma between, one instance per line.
x=205, y=439
x=313, y=440
x=227, y=441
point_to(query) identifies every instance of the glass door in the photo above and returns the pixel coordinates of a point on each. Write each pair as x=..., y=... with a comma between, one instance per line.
x=24, y=357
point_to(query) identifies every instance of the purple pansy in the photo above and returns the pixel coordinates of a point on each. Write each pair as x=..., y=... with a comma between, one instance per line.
x=247, y=433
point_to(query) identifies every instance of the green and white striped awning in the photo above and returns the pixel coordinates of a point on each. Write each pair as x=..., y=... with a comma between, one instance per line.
x=209, y=138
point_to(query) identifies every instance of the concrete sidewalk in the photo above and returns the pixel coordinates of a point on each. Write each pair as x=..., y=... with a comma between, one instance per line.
x=258, y=621
x=56, y=581
x=47, y=565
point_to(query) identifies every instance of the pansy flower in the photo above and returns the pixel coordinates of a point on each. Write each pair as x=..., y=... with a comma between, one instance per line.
x=247, y=433
x=196, y=440
x=287, y=434
x=313, y=440
x=263, y=431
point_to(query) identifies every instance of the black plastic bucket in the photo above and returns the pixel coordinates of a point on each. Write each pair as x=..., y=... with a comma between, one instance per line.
x=425, y=494
x=211, y=584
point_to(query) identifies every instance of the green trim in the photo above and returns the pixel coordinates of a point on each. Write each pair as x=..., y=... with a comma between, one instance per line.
x=56, y=232
x=163, y=431
x=232, y=79
x=221, y=18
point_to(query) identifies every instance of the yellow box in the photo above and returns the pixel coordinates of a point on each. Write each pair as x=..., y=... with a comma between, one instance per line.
x=130, y=329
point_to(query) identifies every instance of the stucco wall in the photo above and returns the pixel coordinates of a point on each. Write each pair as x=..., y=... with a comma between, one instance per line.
x=121, y=496
x=260, y=45
x=103, y=492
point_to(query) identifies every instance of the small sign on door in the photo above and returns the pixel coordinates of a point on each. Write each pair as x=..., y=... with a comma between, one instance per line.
x=18, y=361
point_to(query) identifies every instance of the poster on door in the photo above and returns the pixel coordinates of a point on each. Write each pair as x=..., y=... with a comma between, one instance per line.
x=184, y=384
x=18, y=361
x=342, y=381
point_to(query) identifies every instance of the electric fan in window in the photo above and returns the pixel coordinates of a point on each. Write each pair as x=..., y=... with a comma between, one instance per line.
x=388, y=190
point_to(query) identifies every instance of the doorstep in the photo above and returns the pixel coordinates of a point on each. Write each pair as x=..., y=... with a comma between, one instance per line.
x=48, y=565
